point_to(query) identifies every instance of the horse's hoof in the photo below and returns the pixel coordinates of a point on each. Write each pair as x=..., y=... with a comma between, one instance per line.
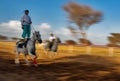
x=36, y=65
x=17, y=64
x=28, y=64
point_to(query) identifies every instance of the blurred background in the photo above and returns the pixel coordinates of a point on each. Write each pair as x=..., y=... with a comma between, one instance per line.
x=78, y=21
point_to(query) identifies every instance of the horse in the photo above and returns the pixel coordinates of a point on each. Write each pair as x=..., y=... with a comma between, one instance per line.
x=46, y=46
x=29, y=49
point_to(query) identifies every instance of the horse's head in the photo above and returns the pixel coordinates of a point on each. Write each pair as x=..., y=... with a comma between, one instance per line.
x=57, y=40
x=37, y=36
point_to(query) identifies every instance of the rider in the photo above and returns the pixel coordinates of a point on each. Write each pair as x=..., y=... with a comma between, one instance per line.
x=26, y=22
x=51, y=40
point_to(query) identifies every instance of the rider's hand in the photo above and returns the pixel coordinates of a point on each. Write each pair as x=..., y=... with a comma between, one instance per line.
x=30, y=23
x=22, y=27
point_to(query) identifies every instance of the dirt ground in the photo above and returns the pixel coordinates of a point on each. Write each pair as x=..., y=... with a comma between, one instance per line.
x=65, y=68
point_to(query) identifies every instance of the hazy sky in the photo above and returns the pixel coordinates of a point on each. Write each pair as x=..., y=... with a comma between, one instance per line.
x=48, y=16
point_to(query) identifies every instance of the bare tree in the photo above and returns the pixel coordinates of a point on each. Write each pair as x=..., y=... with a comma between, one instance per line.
x=83, y=16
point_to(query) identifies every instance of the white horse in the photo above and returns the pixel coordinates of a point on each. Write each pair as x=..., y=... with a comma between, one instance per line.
x=29, y=49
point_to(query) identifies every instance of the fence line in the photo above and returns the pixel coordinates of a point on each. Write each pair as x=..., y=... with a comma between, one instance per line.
x=89, y=49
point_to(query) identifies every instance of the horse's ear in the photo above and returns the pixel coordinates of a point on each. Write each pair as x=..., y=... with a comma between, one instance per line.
x=38, y=32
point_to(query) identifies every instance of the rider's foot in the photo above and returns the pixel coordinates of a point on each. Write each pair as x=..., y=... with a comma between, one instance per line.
x=22, y=40
x=26, y=40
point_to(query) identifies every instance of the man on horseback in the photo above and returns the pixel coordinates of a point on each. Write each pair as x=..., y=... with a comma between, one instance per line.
x=51, y=40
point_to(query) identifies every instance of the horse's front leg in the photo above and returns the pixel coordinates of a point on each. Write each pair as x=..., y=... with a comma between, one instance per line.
x=26, y=60
x=32, y=53
x=35, y=61
x=46, y=48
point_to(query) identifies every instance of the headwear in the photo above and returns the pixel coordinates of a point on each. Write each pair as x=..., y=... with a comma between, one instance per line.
x=26, y=10
x=51, y=33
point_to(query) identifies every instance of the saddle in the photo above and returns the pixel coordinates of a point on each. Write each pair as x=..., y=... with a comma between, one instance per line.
x=22, y=43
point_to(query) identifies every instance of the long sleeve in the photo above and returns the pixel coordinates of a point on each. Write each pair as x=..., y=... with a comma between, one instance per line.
x=30, y=22
x=26, y=20
x=22, y=20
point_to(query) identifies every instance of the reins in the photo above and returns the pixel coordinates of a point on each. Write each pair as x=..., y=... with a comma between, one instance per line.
x=32, y=29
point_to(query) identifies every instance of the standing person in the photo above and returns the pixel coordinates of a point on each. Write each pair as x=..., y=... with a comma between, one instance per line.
x=26, y=22
x=51, y=40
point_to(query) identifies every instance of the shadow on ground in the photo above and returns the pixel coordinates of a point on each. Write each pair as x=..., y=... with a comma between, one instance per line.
x=74, y=68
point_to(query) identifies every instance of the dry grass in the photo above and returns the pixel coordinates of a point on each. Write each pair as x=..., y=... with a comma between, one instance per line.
x=68, y=65
x=102, y=51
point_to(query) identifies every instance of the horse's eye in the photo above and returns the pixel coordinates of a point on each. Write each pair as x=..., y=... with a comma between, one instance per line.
x=36, y=35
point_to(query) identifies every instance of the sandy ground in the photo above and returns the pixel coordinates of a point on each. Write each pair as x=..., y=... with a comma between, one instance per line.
x=65, y=68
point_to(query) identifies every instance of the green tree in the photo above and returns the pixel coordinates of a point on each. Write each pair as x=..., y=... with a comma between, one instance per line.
x=85, y=41
x=3, y=37
x=71, y=42
x=114, y=39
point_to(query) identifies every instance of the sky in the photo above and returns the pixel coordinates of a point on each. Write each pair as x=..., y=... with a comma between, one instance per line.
x=48, y=16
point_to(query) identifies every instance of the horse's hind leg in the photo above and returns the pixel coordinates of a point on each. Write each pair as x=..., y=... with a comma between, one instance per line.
x=17, y=58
